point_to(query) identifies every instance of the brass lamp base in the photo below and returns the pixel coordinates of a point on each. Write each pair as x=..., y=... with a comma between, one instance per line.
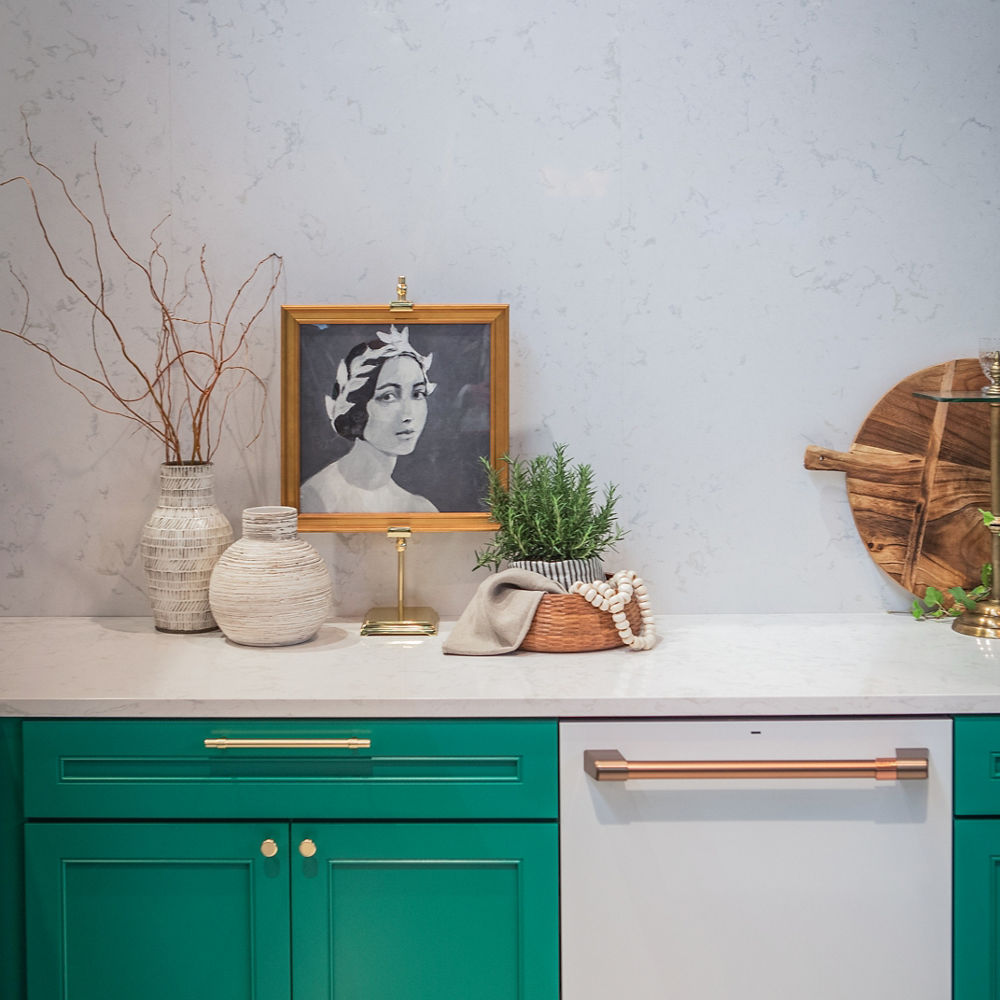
x=389, y=621
x=983, y=623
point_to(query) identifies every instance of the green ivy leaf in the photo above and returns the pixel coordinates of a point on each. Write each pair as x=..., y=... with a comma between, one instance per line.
x=932, y=605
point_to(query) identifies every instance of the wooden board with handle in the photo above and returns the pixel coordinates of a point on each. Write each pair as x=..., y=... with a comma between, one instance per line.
x=917, y=474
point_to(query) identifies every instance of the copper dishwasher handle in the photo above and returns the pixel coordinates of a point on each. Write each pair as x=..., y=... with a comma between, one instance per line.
x=610, y=765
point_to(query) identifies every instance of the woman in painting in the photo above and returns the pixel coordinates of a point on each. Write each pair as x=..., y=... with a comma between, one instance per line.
x=379, y=402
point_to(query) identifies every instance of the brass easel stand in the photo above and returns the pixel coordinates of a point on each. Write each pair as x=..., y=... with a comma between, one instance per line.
x=400, y=620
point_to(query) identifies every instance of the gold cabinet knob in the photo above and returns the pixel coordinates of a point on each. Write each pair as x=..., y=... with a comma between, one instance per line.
x=268, y=848
x=307, y=848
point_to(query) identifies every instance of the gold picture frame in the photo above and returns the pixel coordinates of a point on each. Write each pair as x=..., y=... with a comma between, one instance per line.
x=462, y=352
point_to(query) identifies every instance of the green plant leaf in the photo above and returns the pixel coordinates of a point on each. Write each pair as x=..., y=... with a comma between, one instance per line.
x=962, y=598
x=933, y=596
x=933, y=606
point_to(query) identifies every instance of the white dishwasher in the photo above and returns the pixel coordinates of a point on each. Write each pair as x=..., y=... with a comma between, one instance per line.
x=756, y=859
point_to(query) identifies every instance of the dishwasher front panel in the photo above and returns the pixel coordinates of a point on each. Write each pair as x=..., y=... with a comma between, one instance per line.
x=777, y=888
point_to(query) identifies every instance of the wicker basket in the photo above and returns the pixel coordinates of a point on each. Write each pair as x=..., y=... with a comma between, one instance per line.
x=568, y=623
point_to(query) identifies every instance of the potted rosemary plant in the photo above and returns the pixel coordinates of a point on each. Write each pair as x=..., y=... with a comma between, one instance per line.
x=549, y=518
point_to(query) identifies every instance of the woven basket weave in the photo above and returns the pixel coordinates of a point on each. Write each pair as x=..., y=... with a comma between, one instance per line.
x=568, y=623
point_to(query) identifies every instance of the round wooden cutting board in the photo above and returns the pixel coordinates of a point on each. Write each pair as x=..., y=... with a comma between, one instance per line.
x=917, y=473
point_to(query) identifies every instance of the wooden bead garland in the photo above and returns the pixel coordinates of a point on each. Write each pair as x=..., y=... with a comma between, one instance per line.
x=612, y=596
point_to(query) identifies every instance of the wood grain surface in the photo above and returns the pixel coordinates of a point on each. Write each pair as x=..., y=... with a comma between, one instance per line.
x=917, y=472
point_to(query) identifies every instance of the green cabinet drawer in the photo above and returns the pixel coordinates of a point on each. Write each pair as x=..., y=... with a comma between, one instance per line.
x=977, y=765
x=402, y=769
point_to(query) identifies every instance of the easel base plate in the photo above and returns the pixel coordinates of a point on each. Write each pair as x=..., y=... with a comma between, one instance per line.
x=983, y=623
x=387, y=621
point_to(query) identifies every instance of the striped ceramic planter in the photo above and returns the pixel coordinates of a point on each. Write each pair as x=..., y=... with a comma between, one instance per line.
x=270, y=587
x=564, y=571
x=180, y=545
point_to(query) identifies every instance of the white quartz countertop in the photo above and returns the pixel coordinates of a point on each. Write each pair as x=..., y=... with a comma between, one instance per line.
x=702, y=665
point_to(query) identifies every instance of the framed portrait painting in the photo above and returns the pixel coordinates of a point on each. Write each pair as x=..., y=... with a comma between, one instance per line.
x=386, y=415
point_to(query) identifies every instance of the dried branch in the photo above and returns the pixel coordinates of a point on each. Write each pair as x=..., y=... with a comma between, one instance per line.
x=180, y=394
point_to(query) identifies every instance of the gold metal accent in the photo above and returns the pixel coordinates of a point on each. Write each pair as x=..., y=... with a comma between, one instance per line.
x=350, y=743
x=993, y=389
x=984, y=621
x=610, y=765
x=401, y=303
x=400, y=620
x=269, y=848
x=307, y=848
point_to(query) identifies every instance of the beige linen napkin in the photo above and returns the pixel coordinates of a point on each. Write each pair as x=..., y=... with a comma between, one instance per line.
x=500, y=613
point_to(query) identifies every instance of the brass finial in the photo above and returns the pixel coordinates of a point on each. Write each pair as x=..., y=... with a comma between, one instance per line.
x=401, y=301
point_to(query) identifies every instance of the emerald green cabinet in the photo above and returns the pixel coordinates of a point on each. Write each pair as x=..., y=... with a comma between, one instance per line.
x=977, y=858
x=383, y=901
x=426, y=911
x=977, y=909
x=11, y=863
x=155, y=910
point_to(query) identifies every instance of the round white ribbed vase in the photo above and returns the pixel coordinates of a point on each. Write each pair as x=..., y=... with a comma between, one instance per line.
x=270, y=587
x=180, y=544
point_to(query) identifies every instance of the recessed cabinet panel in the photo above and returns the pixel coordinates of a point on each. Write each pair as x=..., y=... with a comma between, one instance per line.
x=156, y=911
x=429, y=911
x=396, y=769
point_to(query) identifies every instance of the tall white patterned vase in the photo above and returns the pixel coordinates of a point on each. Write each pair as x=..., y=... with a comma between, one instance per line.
x=270, y=587
x=181, y=543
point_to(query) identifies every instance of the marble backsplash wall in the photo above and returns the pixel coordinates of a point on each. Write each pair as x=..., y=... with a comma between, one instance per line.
x=724, y=228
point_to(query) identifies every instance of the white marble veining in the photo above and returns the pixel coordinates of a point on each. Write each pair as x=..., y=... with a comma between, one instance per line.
x=702, y=665
x=725, y=228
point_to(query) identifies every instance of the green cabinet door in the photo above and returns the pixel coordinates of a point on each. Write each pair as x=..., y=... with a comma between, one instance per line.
x=157, y=911
x=425, y=911
x=11, y=863
x=977, y=909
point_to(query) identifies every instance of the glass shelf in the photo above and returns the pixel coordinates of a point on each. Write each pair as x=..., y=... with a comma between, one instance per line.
x=969, y=396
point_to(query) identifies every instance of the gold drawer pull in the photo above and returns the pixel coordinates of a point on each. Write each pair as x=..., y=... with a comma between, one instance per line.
x=351, y=743
x=610, y=765
x=269, y=848
x=307, y=848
